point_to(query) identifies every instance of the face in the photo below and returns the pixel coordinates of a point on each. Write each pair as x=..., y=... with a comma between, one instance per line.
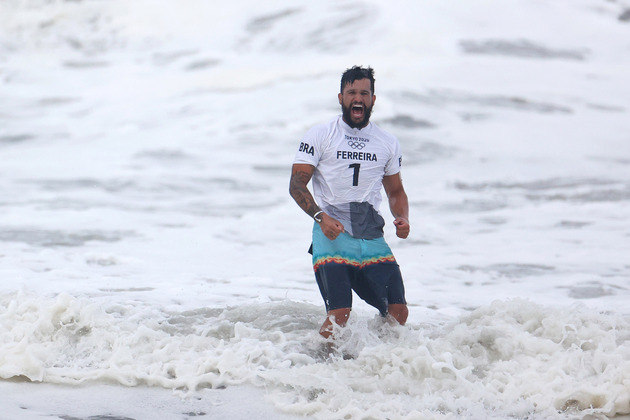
x=356, y=102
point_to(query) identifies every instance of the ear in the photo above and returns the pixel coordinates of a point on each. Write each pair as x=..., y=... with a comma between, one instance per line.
x=340, y=96
x=373, y=99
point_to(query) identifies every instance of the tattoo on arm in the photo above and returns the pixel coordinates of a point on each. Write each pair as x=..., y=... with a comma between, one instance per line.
x=301, y=194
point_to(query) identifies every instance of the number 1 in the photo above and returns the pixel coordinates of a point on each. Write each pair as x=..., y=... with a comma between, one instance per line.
x=355, y=176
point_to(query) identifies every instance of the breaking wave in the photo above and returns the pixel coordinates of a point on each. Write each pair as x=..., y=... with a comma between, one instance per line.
x=510, y=359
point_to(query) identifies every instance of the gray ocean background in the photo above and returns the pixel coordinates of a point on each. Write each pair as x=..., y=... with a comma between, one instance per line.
x=153, y=265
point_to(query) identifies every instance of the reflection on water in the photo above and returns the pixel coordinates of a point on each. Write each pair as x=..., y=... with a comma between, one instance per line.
x=443, y=98
x=511, y=270
x=15, y=138
x=54, y=238
x=520, y=48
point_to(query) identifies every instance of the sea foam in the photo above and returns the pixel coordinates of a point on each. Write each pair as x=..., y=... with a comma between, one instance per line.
x=507, y=359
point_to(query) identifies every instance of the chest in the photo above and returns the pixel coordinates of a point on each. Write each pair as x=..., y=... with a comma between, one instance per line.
x=346, y=149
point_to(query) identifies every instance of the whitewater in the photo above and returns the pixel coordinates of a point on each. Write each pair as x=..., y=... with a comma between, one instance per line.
x=153, y=265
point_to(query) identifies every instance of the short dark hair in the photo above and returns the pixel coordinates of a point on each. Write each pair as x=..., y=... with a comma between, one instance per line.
x=357, y=73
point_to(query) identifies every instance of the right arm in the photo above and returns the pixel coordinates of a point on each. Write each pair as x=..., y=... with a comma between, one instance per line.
x=301, y=174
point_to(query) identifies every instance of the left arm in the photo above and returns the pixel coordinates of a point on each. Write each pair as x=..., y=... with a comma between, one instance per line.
x=398, y=203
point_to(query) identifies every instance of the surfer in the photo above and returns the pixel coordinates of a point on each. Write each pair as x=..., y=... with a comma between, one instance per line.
x=349, y=160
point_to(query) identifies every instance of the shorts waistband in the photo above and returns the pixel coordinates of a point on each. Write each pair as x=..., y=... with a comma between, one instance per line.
x=351, y=251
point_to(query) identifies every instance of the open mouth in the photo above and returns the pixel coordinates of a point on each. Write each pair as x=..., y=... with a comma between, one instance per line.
x=357, y=111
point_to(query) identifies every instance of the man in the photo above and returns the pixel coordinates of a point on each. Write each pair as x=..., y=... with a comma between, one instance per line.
x=349, y=159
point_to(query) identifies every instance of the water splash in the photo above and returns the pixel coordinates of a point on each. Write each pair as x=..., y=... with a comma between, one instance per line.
x=508, y=359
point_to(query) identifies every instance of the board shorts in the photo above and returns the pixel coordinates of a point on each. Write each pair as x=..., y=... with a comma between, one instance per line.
x=366, y=266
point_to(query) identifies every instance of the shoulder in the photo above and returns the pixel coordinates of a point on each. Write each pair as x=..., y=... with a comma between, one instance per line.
x=385, y=136
x=322, y=130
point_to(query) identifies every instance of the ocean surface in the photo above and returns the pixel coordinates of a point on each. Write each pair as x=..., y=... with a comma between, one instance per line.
x=153, y=265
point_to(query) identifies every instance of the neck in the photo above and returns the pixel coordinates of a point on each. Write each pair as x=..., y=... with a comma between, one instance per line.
x=351, y=125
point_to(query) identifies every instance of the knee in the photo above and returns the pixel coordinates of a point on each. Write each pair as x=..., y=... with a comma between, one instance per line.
x=399, y=312
x=338, y=316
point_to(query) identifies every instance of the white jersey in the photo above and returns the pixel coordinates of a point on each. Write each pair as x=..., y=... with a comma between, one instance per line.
x=349, y=167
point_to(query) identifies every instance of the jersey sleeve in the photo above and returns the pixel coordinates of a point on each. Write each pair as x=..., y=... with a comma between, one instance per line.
x=311, y=146
x=395, y=161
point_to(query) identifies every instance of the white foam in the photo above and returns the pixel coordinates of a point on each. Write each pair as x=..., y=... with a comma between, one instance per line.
x=511, y=358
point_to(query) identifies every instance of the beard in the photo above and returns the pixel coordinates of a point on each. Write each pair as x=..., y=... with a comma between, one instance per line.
x=347, y=116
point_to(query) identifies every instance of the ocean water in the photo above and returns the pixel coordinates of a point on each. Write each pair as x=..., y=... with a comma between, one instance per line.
x=151, y=257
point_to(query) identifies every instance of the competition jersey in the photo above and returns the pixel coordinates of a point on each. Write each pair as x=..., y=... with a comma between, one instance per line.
x=349, y=167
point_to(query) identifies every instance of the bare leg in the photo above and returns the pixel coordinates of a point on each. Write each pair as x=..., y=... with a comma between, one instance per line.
x=339, y=316
x=399, y=312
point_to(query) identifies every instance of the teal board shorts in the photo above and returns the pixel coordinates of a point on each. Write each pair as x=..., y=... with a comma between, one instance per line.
x=366, y=266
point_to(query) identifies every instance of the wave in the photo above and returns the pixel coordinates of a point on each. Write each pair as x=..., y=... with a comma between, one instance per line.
x=507, y=359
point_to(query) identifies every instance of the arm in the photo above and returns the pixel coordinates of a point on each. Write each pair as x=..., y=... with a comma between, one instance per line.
x=300, y=176
x=398, y=203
